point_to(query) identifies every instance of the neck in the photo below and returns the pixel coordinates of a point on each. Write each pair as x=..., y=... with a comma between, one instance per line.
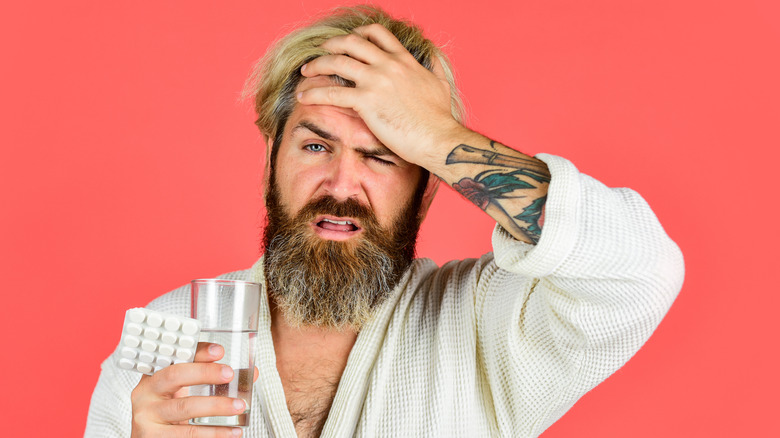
x=299, y=343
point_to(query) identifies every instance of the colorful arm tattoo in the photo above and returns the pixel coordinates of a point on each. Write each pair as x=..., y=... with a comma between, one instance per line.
x=506, y=177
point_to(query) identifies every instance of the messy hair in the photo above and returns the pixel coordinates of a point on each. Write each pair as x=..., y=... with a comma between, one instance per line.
x=274, y=78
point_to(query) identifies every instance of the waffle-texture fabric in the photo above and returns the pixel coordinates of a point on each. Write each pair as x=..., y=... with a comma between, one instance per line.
x=501, y=346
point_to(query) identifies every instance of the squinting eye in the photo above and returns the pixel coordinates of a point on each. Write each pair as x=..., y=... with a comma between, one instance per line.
x=314, y=147
x=381, y=161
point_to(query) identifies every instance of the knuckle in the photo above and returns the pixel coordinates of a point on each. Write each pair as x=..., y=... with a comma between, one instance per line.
x=352, y=38
x=373, y=95
x=180, y=407
x=142, y=390
x=385, y=82
x=332, y=93
x=136, y=394
x=315, y=63
x=172, y=374
x=343, y=61
x=139, y=418
x=191, y=432
x=212, y=372
x=397, y=68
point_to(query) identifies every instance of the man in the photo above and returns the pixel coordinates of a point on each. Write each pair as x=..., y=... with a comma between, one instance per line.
x=361, y=123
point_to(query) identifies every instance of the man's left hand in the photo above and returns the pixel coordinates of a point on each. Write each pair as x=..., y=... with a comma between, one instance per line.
x=406, y=106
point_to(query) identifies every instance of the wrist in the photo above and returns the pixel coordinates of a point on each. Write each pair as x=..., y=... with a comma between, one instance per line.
x=447, y=139
x=433, y=150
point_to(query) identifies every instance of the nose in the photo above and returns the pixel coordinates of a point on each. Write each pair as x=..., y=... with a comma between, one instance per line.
x=343, y=180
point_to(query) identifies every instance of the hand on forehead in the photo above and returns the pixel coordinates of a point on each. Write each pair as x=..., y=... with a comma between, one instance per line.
x=329, y=118
x=405, y=106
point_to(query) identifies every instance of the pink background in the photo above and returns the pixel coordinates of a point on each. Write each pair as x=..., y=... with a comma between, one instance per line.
x=129, y=167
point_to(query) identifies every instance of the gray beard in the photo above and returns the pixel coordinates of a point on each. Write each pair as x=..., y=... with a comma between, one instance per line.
x=333, y=284
x=327, y=286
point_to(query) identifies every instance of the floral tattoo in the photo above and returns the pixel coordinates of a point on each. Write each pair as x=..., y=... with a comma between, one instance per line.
x=507, y=177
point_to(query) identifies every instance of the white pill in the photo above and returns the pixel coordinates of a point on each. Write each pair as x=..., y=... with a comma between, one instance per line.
x=187, y=341
x=184, y=354
x=134, y=329
x=167, y=349
x=172, y=323
x=154, y=320
x=136, y=315
x=145, y=356
x=189, y=327
x=169, y=338
x=151, y=333
x=148, y=345
x=152, y=340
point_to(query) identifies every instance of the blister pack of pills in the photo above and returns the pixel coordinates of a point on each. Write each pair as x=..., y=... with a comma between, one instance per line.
x=153, y=340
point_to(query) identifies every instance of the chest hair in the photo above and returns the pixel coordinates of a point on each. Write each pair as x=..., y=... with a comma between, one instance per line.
x=310, y=391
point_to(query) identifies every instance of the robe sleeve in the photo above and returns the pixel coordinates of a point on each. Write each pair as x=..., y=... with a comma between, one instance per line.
x=556, y=319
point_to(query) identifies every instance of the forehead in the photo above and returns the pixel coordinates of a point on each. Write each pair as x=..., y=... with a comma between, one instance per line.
x=345, y=123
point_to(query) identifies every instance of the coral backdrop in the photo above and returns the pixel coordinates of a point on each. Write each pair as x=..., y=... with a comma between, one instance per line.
x=129, y=167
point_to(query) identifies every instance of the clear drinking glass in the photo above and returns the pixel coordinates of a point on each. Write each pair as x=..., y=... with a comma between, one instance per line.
x=228, y=311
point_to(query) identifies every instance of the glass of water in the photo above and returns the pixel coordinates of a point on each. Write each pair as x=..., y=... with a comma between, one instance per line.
x=228, y=311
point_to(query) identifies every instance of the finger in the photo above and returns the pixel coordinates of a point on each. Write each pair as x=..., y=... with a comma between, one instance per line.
x=344, y=97
x=170, y=379
x=355, y=46
x=341, y=65
x=189, y=431
x=381, y=37
x=208, y=352
x=182, y=409
x=257, y=374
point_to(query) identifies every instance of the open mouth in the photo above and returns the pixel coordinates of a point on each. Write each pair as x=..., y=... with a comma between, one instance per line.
x=336, y=228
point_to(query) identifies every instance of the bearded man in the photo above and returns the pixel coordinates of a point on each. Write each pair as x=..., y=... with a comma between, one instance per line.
x=359, y=338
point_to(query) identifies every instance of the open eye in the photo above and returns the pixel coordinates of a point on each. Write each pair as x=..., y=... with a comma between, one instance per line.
x=315, y=147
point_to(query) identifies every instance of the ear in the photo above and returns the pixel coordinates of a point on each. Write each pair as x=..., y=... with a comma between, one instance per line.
x=428, y=194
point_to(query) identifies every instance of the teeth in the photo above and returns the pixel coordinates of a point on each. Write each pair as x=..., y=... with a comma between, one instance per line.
x=338, y=222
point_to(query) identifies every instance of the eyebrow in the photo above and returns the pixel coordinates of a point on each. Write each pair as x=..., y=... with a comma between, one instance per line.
x=315, y=129
x=378, y=150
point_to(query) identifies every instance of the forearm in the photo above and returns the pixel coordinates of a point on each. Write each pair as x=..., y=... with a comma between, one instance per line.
x=508, y=185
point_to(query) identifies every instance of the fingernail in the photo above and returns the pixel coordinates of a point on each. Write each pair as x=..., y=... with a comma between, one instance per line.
x=239, y=405
x=237, y=431
x=299, y=95
x=227, y=372
x=303, y=67
x=214, y=349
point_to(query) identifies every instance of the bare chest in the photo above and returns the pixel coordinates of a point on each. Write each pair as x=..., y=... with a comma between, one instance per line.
x=309, y=390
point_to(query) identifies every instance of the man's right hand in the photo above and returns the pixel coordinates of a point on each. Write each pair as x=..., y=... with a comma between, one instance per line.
x=160, y=408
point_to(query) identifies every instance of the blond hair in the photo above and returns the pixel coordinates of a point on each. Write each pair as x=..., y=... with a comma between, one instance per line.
x=274, y=78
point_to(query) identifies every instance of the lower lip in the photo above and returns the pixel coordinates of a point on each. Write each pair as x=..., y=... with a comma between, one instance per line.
x=333, y=234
